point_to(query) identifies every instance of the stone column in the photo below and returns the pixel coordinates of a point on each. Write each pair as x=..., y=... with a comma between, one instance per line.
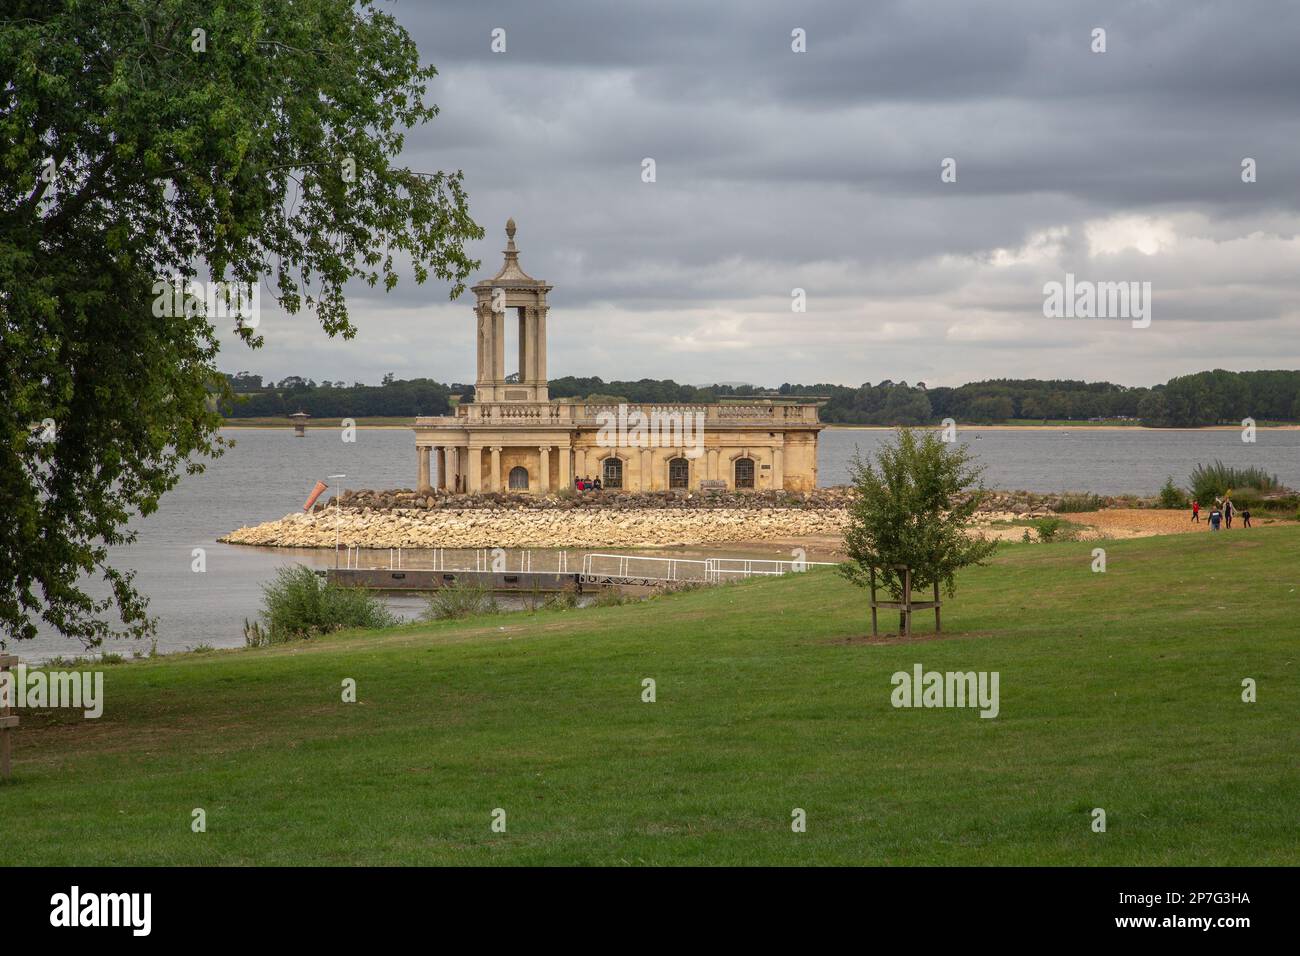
x=498, y=346
x=565, y=479
x=474, y=480
x=778, y=465
x=546, y=468
x=422, y=455
x=579, y=462
x=647, y=470
x=712, y=469
x=541, y=345
x=528, y=355
x=442, y=468
x=496, y=468
x=453, y=468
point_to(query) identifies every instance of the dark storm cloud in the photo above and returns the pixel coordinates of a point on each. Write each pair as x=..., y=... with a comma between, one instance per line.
x=820, y=170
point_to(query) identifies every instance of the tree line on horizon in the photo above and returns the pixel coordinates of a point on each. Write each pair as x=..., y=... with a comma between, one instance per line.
x=1186, y=401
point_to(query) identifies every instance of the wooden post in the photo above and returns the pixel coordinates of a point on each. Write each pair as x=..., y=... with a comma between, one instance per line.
x=905, y=613
x=8, y=721
x=873, y=603
x=906, y=606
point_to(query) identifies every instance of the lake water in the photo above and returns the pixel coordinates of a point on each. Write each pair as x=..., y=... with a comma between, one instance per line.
x=269, y=473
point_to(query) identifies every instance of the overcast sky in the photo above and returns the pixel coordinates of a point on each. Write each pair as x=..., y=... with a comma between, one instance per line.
x=820, y=170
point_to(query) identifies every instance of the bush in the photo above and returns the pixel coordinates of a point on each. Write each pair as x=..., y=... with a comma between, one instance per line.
x=255, y=635
x=1048, y=528
x=1209, y=482
x=562, y=601
x=459, y=600
x=1171, y=496
x=300, y=604
x=610, y=597
x=1247, y=498
x=1073, y=504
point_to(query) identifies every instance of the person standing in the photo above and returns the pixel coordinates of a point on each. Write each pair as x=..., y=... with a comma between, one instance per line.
x=1245, y=517
x=1215, y=518
x=1227, y=513
x=1196, y=512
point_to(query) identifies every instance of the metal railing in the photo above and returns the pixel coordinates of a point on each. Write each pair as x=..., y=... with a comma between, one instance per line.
x=631, y=568
x=478, y=559
x=721, y=569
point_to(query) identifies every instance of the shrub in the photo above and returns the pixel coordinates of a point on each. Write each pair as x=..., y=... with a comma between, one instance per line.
x=1171, y=496
x=1073, y=504
x=459, y=600
x=300, y=604
x=1048, y=528
x=1209, y=482
x=255, y=635
x=562, y=601
x=610, y=597
x=1247, y=498
x=1276, y=503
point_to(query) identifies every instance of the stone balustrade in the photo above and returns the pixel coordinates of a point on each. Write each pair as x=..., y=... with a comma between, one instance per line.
x=565, y=414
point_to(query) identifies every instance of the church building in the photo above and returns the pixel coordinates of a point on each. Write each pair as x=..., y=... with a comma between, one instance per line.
x=513, y=437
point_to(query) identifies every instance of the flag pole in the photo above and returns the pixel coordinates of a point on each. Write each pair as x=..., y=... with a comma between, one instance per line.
x=338, y=517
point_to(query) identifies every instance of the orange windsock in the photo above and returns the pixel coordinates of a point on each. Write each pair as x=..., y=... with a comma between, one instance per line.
x=315, y=493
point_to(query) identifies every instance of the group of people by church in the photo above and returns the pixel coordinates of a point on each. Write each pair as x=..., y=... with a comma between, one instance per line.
x=587, y=484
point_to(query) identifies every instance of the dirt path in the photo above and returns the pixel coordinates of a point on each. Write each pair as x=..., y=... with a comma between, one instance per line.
x=1142, y=523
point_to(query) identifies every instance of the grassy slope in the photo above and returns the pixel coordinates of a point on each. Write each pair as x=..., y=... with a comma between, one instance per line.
x=1118, y=690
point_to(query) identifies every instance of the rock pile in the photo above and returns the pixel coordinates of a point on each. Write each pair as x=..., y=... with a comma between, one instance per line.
x=407, y=519
x=522, y=527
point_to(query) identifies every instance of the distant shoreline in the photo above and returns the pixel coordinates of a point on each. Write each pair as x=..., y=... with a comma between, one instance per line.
x=237, y=423
x=1097, y=427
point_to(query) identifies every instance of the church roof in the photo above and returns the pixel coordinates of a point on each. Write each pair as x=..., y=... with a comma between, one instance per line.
x=511, y=273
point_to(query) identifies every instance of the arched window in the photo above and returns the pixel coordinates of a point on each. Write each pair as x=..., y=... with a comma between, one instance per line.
x=744, y=473
x=519, y=478
x=611, y=473
x=679, y=473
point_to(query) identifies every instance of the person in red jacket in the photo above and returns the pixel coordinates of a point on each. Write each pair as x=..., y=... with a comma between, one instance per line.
x=1196, y=512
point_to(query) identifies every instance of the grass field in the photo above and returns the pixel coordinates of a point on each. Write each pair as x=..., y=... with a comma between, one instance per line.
x=1119, y=690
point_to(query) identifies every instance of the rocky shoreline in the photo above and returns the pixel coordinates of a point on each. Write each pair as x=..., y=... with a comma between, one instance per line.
x=407, y=519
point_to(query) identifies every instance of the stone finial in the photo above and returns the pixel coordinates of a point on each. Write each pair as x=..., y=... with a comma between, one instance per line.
x=510, y=228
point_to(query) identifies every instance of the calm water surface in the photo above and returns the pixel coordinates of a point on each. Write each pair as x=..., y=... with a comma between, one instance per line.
x=269, y=472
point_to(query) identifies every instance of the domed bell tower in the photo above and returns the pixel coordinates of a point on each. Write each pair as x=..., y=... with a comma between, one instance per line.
x=511, y=296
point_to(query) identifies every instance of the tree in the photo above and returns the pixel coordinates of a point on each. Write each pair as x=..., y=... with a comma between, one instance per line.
x=911, y=508
x=252, y=141
x=991, y=409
